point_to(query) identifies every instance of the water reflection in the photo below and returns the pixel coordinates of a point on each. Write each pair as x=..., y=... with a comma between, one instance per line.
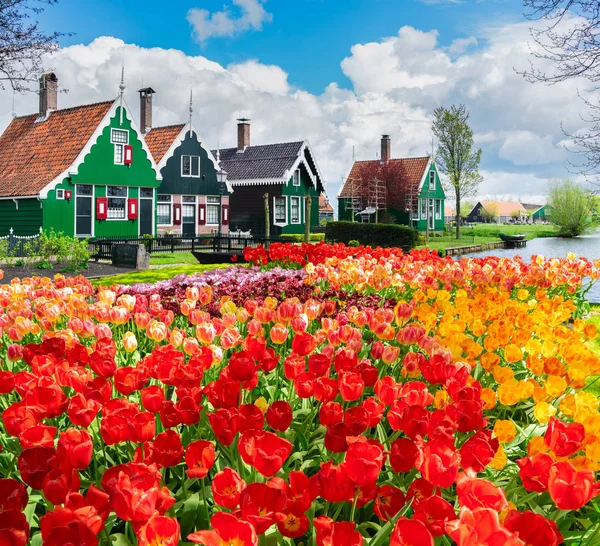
x=554, y=247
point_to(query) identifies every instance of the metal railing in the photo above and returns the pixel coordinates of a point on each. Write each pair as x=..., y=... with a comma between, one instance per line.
x=101, y=248
x=20, y=246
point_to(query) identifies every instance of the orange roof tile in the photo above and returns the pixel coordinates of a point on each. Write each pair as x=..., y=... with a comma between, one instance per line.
x=33, y=154
x=504, y=208
x=449, y=210
x=413, y=166
x=324, y=204
x=159, y=139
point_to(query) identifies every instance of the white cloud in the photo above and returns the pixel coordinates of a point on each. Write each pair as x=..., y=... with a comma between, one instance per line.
x=460, y=45
x=223, y=24
x=396, y=84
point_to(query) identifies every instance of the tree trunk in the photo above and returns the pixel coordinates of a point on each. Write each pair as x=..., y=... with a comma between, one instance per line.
x=267, y=218
x=308, y=203
x=457, y=213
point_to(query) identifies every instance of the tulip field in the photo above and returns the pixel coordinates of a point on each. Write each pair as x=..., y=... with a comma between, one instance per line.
x=325, y=395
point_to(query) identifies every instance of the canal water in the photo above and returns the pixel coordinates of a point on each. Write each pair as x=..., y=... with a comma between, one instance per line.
x=587, y=246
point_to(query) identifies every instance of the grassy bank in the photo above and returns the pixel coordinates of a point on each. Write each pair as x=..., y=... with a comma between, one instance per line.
x=487, y=233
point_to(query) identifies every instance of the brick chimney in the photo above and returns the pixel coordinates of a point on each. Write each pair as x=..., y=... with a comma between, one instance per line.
x=243, y=134
x=386, y=148
x=48, y=94
x=146, y=109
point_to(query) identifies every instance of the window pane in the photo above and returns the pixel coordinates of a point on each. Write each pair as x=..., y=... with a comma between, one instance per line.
x=118, y=153
x=84, y=225
x=212, y=200
x=164, y=214
x=280, y=209
x=212, y=214
x=297, y=177
x=147, y=192
x=185, y=165
x=84, y=190
x=188, y=199
x=116, y=208
x=119, y=136
x=188, y=213
x=195, y=165
x=84, y=206
x=295, y=210
x=164, y=198
x=116, y=191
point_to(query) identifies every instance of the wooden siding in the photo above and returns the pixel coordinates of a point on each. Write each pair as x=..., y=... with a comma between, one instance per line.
x=26, y=220
x=247, y=208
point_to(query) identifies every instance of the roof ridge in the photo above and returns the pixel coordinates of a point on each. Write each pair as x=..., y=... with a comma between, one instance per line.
x=168, y=126
x=58, y=110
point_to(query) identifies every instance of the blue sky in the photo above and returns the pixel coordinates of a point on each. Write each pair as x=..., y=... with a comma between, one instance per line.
x=336, y=72
x=307, y=38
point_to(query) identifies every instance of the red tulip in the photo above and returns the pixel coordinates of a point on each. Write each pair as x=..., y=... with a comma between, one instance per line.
x=303, y=344
x=403, y=455
x=480, y=527
x=58, y=484
x=279, y=415
x=332, y=483
x=363, y=462
x=13, y=495
x=35, y=463
x=75, y=449
x=38, y=435
x=159, y=530
x=388, y=502
x=227, y=530
x=241, y=367
x=83, y=411
x=534, y=529
x=250, y=418
x=199, y=458
x=336, y=533
x=351, y=386
x=434, y=512
x=570, y=488
x=356, y=420
x=152, y=398
x=264, y=451
x=259, y=505
x=564, y=438
x=14, y=529
x=292, y=525
x=410, y=531
x=534, y=471
x=18, y=418
x=438, y=463
x=227, y=486
x=224, y=423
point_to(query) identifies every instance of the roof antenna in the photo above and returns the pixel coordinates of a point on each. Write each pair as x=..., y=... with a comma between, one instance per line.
x=218, y=137
x=121, y=91
x=13, y=112
x=191, y=111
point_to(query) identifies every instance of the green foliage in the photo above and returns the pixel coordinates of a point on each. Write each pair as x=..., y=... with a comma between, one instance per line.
x=571, y=208
x=372, y=234
x=44, y=265
x=299, y=238
x=353, y=243
x=63, y=249
x=148, y=241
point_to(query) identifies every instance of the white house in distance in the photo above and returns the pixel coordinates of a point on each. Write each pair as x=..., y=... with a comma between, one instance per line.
x=503, y=212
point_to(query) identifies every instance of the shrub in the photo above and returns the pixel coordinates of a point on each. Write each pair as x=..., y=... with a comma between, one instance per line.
x=372, y=234
x=299, y=238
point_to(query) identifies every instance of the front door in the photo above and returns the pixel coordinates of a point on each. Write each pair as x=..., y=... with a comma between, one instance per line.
x=430, y=217
x=83, y=210
x=146, y=211
x=188, y=216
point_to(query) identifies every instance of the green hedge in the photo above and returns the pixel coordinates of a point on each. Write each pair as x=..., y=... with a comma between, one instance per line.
x=299, y=238
x=372, y=234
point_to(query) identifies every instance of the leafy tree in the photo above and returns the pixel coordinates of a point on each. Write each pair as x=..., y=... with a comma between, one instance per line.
x=571, y=208
x=491, y=212
x=456, y=155
x=22, y=43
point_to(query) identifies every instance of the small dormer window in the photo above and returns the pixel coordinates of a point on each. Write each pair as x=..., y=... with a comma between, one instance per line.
x=432, y=180
x=120, y=139
x=296, y=178
x=190, y=166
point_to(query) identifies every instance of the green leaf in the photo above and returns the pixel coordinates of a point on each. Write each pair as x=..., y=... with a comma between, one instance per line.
x=188, y=514
x=119, y=539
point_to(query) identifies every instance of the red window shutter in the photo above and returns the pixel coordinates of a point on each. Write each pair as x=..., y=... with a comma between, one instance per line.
x=176, y=214
x=225, y=219
x=128, y=155
x=132, y=208
x=201, y=215
x=101, y=208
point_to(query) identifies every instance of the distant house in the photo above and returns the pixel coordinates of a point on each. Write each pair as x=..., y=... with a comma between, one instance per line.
x=191, y=200
x=503, y=212
x=423, y=198
x=84, y=171
x=287, y=172
x=449, y=214
x=325, y=209
x=537, y=213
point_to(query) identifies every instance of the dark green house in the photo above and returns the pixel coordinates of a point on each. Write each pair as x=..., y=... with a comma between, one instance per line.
x=286, y=172
x=420, y=197
x=193, y=197
x=85, y=171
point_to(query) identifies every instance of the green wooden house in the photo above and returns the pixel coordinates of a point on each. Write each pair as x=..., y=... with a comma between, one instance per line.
x=193, y=197
x=287, y=172
x=86, y=171
x=421, y=204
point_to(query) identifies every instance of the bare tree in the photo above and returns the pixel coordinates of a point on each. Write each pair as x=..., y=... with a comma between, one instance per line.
x=456, y=155
x=22, y=43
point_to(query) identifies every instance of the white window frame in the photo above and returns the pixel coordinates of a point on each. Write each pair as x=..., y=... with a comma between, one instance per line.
x=191, y=175
x=169, y=204
x=109, y=197
x=296, y=178
x=438, y=209
x=119, y=147
x=60, y=194
x=423, y=209
x=432, y=180
x=292, y=198
x=217, y=204
x=285, y=200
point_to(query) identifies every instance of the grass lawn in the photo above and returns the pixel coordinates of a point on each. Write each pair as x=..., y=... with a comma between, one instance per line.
x=175, y=258
x=154, y=275
x=488, y=233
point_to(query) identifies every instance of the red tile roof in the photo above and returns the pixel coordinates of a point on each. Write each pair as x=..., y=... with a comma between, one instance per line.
x=413, y=166
x=159, y=139
x=504, y=208
x=324, y=204
x=33, y=154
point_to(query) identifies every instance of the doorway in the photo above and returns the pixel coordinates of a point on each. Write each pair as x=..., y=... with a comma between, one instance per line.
x=83, y=210
x=188, y=216
x=146, y=219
